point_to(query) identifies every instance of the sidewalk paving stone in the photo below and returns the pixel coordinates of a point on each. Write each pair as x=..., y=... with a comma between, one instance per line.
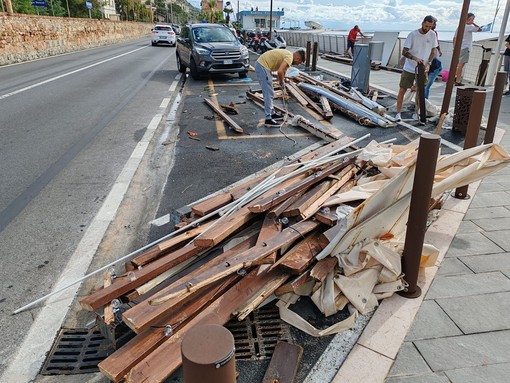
x=469, y=227
x=489, y=199
x=494, y=373
x=471, y=244
x=490, y=212
x=479, y=313
x=487, y=262
x=493, y=224
x=409, y=362
x=500, y=238
x=427, y=378
x=453, y=266
x=431, y=322
x=443, y=354
x=468, y=284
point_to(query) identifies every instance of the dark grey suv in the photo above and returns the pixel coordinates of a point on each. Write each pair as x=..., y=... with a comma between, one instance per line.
x=210, y=48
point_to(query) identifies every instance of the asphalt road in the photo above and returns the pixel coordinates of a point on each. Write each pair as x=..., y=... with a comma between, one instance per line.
x=68, y=126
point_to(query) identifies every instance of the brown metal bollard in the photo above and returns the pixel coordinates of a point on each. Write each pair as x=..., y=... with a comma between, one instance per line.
x=499, y=86
x=472, y=131
x=418, y=212
x=308, y=52
x=421, y=92
x=314, y=56
x=208, y=355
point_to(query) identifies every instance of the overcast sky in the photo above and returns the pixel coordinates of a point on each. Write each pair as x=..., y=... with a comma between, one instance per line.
x=378, y=15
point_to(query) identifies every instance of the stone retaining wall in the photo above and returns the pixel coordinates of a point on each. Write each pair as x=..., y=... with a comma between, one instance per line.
x=30, y=37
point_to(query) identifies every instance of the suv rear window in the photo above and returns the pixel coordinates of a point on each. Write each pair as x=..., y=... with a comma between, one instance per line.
x=212, y=35
x=163, y=29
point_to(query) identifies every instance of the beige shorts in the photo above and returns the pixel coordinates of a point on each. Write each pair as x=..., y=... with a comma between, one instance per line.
x=464, y=56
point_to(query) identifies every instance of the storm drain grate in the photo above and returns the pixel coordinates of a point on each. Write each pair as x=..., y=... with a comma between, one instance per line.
x=255, y=337
x=76, y=351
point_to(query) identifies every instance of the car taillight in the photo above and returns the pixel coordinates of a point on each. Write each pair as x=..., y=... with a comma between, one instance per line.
x=154, y=32
x=171, y=33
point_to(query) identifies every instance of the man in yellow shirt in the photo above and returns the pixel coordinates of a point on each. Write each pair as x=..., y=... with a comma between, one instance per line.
x=275, y=60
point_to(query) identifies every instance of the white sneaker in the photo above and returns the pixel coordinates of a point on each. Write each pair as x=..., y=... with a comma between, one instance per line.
x=398, y=117
x=416, y=117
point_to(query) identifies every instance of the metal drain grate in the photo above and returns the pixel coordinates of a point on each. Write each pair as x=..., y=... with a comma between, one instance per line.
x=76, y=351
x=255, y=338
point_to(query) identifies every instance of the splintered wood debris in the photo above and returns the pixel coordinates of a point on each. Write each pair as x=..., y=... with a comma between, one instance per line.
x=329, y=226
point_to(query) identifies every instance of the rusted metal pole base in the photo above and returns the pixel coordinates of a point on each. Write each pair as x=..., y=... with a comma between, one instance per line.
x=410, y=294
x=461, y=193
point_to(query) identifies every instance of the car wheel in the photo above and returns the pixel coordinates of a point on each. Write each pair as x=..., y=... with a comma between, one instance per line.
x=243, y=74
x=194, y=70
x=180, y=66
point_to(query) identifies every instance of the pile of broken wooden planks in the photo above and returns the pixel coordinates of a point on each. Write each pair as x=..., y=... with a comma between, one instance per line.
x=268, y=237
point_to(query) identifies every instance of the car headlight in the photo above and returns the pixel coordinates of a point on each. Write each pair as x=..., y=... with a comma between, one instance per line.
x=202, y=51
x=244, y=50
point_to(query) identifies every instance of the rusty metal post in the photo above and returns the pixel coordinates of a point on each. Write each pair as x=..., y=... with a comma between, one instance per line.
x=421, y=92
x=418, y=211
x=499, y=86
x=308, y=52
x=208, y=355
x=472, y=131
x=314, y=56
x=455, y=58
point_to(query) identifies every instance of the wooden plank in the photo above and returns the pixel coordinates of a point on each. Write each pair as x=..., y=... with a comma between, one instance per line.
x=284, y=363
x=224, y=116
x=117, y=365
x=300, y=257
x=211, y=204
x=163, y=361
x=267, y=203
x=123, y=284
x=144, y=312
x=328, y=218
x=344, y=177
x=229, y=224
x=313, y=105
x=296, y=92
x=307, y=199
x=323, y=267
x=327, y=112
x=301, y=285
x=269, y=229
x=147, y=312
x=169, y=245
x=108, y=317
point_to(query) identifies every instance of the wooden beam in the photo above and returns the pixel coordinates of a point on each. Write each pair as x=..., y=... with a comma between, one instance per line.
x=118, y=364
x=300, y=256
x=322, y=268
x=146, y=313
x=224, y=116
x=124, y=284
x=163, y=361
x=284, y=363
x=267, y=203
x=327, y=112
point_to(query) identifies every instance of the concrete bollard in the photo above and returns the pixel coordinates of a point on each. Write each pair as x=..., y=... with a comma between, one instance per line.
x=418, y=212
x=208, y=355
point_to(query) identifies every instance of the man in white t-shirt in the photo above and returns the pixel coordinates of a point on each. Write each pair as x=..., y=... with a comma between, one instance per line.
x=419, y=48
x=467, y=42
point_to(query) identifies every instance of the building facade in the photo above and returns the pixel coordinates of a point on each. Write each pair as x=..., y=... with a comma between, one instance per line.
x=260, y=19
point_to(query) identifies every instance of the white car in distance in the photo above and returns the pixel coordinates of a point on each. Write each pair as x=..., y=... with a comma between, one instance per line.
x=163, y=34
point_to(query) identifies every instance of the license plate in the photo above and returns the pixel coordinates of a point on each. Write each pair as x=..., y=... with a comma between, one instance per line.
x=228, y=62
x=162, y=37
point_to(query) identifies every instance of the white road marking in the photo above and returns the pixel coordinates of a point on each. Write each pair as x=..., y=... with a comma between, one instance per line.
x=66, y=74
x=163, y=220
x=31, y=355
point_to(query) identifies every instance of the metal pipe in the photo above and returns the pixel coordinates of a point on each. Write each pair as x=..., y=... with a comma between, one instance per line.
x=418, y=211
x=308, y=52
x=495, y=106
x=472, y=131
x=314, y=56
x=455, y=58
x=495, y=62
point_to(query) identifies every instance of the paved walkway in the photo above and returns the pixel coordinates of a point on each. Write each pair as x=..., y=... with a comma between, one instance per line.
x=459, y=330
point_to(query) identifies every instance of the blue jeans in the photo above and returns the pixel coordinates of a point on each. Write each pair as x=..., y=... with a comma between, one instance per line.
x=432, y=77
x=265, y=78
